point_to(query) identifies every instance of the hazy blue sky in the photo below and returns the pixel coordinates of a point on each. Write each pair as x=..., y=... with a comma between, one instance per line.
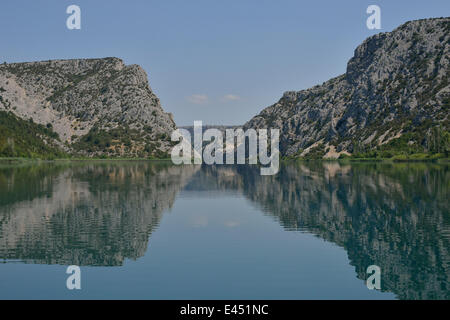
x=217, y=61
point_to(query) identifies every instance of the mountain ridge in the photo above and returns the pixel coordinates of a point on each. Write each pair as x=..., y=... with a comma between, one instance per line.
x=97, y=107
x=394, y=97
x=393, y=100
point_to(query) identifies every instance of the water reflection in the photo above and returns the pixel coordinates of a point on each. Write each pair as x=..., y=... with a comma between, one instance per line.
x=393, y=215
x=84, y=214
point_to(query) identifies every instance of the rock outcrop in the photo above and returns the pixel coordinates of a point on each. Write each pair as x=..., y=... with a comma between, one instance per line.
x=396, y=89
x=96, y=106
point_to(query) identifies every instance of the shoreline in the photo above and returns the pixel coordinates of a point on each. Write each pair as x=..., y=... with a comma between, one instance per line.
x=36, y=160
x=378, y=160
x=282, y=160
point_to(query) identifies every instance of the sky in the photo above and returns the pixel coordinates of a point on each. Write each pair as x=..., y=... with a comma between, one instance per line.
x=217, y=61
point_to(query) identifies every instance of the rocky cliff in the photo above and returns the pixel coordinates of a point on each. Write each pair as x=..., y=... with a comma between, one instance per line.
x=394, y=95
x=96, y=106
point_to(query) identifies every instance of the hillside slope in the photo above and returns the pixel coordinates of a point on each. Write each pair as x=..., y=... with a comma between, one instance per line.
x=97, y=107
x=26, y=139
x=394, y=98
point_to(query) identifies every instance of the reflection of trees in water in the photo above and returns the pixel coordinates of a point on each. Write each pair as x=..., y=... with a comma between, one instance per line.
x=393, y=215
x=18, y=183
x=84, y=214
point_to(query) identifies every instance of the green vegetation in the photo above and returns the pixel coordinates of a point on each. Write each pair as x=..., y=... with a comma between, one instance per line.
x=426, y=142
x=121, y=140
x=25, y=139
x=21, y=139
x=422, y=143
x=317, y=152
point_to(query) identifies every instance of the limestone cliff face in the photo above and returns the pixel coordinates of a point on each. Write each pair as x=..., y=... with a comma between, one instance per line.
x=97, y=106
x=396, y=85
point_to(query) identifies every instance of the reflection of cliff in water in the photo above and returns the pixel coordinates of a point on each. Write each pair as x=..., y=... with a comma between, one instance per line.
x=84, y=214
x=393, y=215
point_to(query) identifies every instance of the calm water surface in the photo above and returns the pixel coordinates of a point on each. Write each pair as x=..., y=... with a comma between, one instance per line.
x=157, y=231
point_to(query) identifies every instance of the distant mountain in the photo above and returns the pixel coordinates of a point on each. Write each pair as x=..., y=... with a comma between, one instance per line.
x=96, y=107
x=221, y=128
x=393, y=99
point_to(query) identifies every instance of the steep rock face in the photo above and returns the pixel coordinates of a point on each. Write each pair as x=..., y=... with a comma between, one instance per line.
x=96, y=106
x=396, y=87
